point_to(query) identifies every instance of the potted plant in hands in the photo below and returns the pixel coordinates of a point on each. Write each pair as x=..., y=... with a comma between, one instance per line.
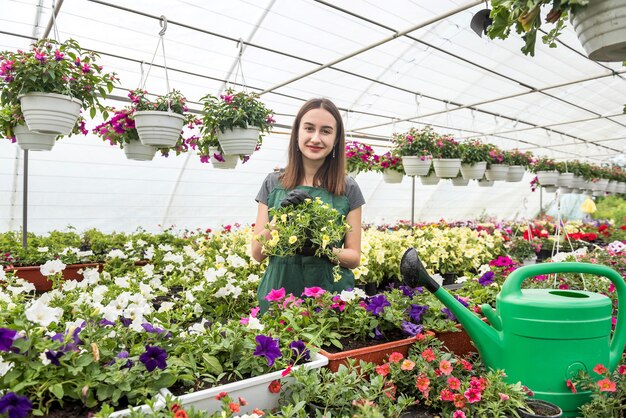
x=391, y=167
x=237, y=120
x=53, y=77
x=159, y=122
x=446, y=157
x=517, y=162
x=474, y=155
x=497, y=170
x=359, y=158
x=415, y=148
x=599, y=24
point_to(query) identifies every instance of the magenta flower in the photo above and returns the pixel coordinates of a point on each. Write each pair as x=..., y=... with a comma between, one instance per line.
x=313, y=292
x=267, y=347
x=275, y=295
x=58, y=55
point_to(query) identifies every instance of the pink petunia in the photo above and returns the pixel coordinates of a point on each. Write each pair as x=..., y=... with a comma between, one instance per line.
x=472, y=395
x=606, y=385
x=313, y=292
x=503, y=397
x=458, y=414
x=600, y=369
x=446, y=367
x=275, y=295
x=454, y=383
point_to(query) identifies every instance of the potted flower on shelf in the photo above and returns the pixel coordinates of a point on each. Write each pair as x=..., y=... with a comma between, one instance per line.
x=446, y=157
x=497, y=170
x=237, y=121
x=53, y=78
x=415, y=148
x=159, y=122
x=391, y=167
x=359, y=158
x=474, y=156
x=599, y=24
x=517, y=162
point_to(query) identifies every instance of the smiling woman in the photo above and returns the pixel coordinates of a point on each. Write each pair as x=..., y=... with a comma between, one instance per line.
x=315, y=171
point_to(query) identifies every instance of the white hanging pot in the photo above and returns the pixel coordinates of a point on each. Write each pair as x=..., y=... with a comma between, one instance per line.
x=578, y=182
x=550, y=189
x=497, y=172
x=612, y=187
x=239, y=141
x=598, y=193
x=33, y=141
x=392, y=176
x=460, y=181
x=515, y=173
x=416, y=166
x=50, y=113
x=158, y=128
x=621, y=187
x=430, y=180
x=565, y=180
x=485, y=183
x=473, y=171
x=447, y=167
x=230, y=161
x=547, y=178
x=137, y=151
x=565, y=190
x=600, y=185
x=601, y=29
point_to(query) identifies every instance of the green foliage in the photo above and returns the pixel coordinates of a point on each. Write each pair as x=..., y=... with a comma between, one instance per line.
x=516, y=157
x=173, y=101
x=415, y=142
x=473, y=151
x=611, y=207
x=446, y=147
x=543, y=164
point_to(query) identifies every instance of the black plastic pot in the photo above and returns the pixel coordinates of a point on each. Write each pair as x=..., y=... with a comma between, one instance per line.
x=540, y=409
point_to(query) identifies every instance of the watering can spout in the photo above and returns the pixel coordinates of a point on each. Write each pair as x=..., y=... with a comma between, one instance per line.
x=487, y=340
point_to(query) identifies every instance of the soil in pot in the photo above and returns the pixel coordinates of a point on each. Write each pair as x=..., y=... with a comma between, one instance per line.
x=540, y=409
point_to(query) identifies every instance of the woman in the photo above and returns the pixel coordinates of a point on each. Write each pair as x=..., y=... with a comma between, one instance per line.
x=316, y=165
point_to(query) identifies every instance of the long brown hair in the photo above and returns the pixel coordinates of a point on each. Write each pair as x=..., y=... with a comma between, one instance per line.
x=331, y=175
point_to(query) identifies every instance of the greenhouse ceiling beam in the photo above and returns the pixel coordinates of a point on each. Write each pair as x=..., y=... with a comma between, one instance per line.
x=569, y=145
x=472, y=63
x=383, y=41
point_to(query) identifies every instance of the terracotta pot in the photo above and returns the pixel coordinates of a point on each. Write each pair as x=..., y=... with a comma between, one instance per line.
x=458, y=343
x=33, y=275
x=374, y=354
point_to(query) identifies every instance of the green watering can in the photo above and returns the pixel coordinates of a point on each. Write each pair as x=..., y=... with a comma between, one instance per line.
x=541, y=337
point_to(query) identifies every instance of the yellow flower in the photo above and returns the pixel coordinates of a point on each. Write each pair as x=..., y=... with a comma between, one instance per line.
x=325, y=241
x=293, y=239
x=283, y=217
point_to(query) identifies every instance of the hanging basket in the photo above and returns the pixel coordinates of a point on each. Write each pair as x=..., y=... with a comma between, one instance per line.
x=515, y=173
x=33, y=141
x=137, y=151
x=447, y=167
x=497, y=172
x=50, y=113
x=601, y=29
x=430, y=180
x=473, y=171
x=229, y=163
x=416, y=166
x=566, y=180
x=621, y=187
x=392, y=176
x=239, y=141
x=460, y=181
x=548, y=178
x=599, y=185
x=485, y=183
x=550, y=189
x=158, y=128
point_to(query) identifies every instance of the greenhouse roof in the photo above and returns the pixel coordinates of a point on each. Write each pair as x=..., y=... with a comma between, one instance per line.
x=389, y=66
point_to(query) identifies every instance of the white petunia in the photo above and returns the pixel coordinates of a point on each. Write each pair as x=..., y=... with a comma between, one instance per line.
x=52, y=267
x=145, y=290
x=40, y=313
x=122, y=282
x=189, y=297
x=44, y=359
x=149, y=253
x=255, y=324
x=84, y=253
x=148, y=270
x=91, y=276
x=253, y=278
x=117, y=254
x=166, y=306
x=165, y=247
x=236, y=261
x=174, y=258
x=197, y=309
x=5, y=366
x=210, y=275
x=69, y=285
x=24, y=287
x=169, y=268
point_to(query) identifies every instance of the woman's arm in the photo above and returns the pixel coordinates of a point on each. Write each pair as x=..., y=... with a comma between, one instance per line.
x=262, y=219
x=350, y=254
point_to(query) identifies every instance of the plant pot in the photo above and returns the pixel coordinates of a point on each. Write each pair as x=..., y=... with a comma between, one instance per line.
x=447, y=167
x=599, y=185
x=33, y=141
x=448, y=278
x=392, y=176
x=621, y=187
x=540, y=409
x=547, y=178
x=550, y=189
x=33, y=274
x=515, y=174
x=601, y=29
x=473, y=171
x=565, y=190
x=415, y=166
x=230, y=161
x=485, y=183
x=370, y=288
x=460, y=181
x=374, y=354
x=239, y=141
x=565, y=180
x=158, y=128
x=158, y=404
x=254, y=390
x=497, y=172
x=137, y=151
x=430, y=180
x=458, y=342
x=50, y=113
x=612, y=187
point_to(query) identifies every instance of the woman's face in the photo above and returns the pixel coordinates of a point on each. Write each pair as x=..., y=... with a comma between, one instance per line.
x=316, y=135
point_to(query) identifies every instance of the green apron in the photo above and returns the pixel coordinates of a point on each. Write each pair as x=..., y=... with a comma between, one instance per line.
x=296, y=272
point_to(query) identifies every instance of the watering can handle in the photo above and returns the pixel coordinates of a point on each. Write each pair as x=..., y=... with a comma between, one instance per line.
x=513, y=286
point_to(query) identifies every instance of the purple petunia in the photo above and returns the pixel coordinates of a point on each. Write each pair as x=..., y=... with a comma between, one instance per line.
x=126, y=321
x=267, y=347
x=154, y=357
x=54, y=357
x=486, y=278
x=105, y=322
x=411, y=329
x=377, y=334
x=376, y=304
x=449, y=314
x=7, y=336
x=15, y=406
x=300, y=352
x=407, y=291
x=416, y=312
x=124, y=355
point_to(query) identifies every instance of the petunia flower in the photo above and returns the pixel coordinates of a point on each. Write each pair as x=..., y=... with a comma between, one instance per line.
x=267, y=347
x=7, y=336
x=54, y=356
x=377, y=304
x=275, y=295
x=300, y=351
x=313, y=292
x=416, y=312
x=411, y=329
x=154, y=357
x=486, y=279
x=15, y=406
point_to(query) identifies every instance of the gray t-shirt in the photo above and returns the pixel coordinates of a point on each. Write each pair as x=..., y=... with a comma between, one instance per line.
x=353, y=191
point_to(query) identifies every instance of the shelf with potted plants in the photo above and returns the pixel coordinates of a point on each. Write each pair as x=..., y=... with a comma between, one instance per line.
x=415, y=147
x=360, y=158
x=233, y=123
x=52, y=78
x=599, y=24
